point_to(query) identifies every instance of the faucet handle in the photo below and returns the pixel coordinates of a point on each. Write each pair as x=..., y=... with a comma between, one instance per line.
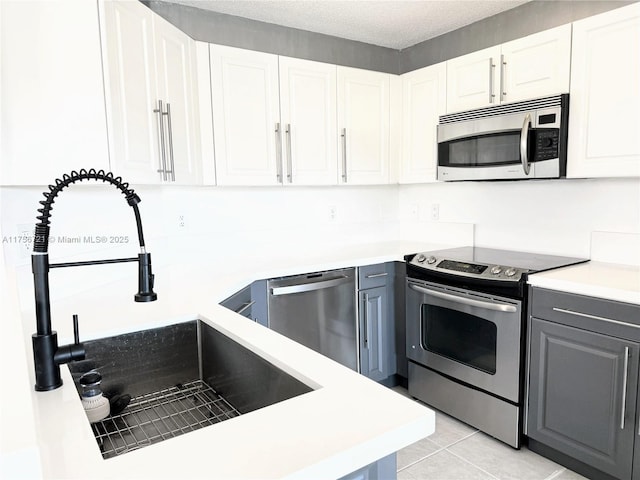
x=70, y=353
x=76, y=333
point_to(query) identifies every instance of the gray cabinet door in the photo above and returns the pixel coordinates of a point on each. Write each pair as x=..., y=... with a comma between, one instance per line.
x=375, y=351
x=250, y=302
x=582, y=395
x=259, y=311
x=636, y=457
x=240, y=302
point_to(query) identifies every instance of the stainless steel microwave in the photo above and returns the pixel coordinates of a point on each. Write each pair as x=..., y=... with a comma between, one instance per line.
x=519, y=140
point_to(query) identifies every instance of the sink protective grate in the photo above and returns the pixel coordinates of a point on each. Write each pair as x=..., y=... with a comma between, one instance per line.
x=156, y=416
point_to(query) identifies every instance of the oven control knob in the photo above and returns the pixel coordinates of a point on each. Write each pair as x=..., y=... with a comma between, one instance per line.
x=510, y=272
x=496, y=270
x=421, y=258
x=431, y=260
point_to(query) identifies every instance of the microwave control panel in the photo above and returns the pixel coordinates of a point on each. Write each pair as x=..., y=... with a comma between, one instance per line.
x=546, y=144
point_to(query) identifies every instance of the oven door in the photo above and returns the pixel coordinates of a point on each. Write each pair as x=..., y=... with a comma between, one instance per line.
x=472, y=337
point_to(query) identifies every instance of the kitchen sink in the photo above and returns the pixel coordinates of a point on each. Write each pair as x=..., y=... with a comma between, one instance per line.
x=180, y=378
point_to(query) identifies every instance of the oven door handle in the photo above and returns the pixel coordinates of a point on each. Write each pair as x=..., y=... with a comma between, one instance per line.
x=500, y=307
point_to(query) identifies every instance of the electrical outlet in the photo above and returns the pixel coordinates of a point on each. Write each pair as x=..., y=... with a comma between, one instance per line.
x=333, y=213
x=435, y=211
x=24, y=239
x=181, y=221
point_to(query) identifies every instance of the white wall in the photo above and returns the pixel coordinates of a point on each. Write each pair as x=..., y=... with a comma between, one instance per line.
x=544, y=216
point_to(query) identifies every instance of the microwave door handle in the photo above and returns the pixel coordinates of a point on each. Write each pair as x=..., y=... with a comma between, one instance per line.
x=500, y=307
x=524, y=144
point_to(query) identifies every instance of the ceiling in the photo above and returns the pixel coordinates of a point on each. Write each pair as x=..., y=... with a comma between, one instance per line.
x=396, y=24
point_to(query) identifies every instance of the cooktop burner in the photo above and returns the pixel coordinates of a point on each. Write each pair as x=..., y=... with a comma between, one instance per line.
x=489, y=263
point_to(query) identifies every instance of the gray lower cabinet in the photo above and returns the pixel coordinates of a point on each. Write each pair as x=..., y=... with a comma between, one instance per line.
x=250, y=302
x=383, y=469
x=636, y=456
x=240, y=302
x=583, y=383
x=374, y=347
x=376, y=322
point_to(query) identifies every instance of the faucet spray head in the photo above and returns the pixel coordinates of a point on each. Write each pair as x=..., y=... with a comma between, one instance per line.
x=145, y=279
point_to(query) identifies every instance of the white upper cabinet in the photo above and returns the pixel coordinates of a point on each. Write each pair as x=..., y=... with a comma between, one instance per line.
x=176, y=82
x=423, y=101
x=471, y=80
x=536, y=66
x=205, y=114
x=52, y=113
x=530, y=67
x=151, y=106
x=131, y=93
x=246, y=117
x=308, y=118
x=363, y=126
x=604, y=121
x=274, y=119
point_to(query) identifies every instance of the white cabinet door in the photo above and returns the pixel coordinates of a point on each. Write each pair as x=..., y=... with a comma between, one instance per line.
x=536, y=66
x=205, y=114
x=149, y=72
x=246, y=117
x=308, y=112
x=604, y=121
x=472, y=80
x=363, y=125
x=423, y=101
x=176, y=81
x=52, y=113
x=130, y=78
x=527, y=68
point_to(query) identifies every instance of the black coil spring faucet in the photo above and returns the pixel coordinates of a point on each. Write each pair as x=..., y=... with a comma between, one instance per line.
x=46, y=354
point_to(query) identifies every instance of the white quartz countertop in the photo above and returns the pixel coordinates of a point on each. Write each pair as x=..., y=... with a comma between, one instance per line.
x=346, y=423
x=596, y=279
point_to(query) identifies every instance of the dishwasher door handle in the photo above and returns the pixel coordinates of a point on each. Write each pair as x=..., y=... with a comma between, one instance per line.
x=309, y=287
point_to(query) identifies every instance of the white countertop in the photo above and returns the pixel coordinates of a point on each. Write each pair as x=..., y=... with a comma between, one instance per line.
x=346, y=423
x=596, y=279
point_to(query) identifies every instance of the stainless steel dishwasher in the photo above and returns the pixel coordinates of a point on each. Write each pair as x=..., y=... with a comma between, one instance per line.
x=318, y=310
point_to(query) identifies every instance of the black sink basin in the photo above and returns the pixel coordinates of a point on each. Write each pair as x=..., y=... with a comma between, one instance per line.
x=180, y=378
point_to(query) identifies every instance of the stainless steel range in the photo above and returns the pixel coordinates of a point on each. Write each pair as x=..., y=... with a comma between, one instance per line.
x=466, y=324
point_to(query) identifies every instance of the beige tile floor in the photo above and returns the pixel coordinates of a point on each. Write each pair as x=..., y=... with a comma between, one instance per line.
x=457, y=451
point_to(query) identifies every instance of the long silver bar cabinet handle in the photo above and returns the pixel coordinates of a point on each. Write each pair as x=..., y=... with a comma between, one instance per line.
x=344, y=154
x=503, y=71
x=595, y=317
x=289, y=158
x=499, y=307
x=624, y=387
x=366, y=320
x=170, y=138
x=244, y=307
x=376, y=275
x=492, y=66
x=163, y=158
x=278, y=153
